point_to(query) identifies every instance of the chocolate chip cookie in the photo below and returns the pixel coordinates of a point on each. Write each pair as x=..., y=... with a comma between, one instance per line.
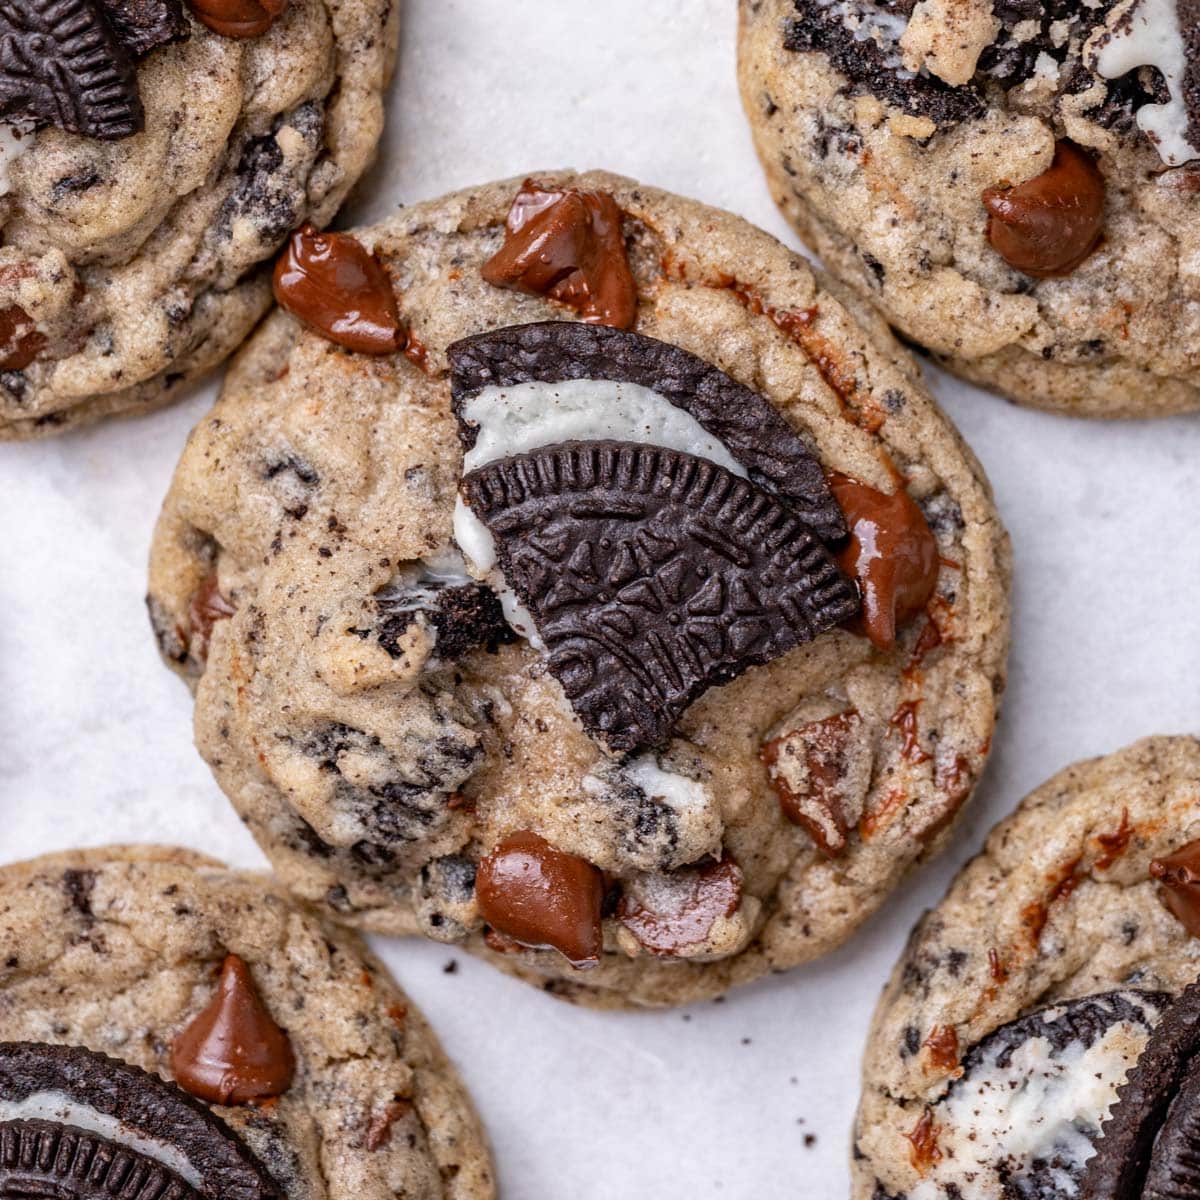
x=570, y=573
x=1041, y=1035
x=154, y=155
x=171, y=1029
x=1015, y=184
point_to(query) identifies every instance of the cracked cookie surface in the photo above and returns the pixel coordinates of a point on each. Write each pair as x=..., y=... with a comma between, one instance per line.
x=1051, y=957
x=881, y=126
x=132, y=266
x=118, y=949
x=385, y=767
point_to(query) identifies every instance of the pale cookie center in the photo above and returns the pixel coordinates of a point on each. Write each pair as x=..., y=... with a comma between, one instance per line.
x=527, y=416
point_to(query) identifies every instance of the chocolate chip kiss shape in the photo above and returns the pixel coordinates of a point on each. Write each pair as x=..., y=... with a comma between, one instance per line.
x=62, y=63
x=76, y=1125
x=233, y=1052
x=652, y=575
x=750, y=427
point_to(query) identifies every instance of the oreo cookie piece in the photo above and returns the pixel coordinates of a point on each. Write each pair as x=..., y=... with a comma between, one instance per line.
x=748, y=426
x=1022, y=1118
x=652, y=575
x=1124, y=1151
x=862, y=41
x=144, y=25
x=77, y=1125
x=61, y=63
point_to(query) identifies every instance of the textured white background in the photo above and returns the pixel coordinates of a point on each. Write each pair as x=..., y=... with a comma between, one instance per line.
x=95, y=737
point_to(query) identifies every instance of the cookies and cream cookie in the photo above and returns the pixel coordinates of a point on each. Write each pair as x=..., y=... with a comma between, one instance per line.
x=1016, y=185
x=173, y=1030
x=154, y=155
x=1040, y=1036
x=571, y=573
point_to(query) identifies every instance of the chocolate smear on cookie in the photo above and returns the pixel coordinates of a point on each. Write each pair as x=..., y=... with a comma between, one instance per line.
x=1118, y=1170
x=1179, y=874
x=754, y=432
x=62, y=63
x=568, y=244
x=651, y=575
x=77, y=1125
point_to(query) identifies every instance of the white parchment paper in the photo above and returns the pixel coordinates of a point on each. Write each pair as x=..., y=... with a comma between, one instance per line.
x=752, y=1097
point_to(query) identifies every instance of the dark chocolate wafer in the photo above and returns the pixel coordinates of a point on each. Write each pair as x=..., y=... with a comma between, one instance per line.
x=1118, y=1169
x=652, y=575
x=152, y=1111
x=749, y=426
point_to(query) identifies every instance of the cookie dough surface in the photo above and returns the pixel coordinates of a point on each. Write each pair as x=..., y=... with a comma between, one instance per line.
x=882, y=172
x=1059, y=906
x=137, y=262
x=118, y=949
x=376, y=781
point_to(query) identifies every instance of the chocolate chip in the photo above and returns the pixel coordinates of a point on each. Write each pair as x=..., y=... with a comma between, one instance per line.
x=238, y=18
x=62, y=64
x=338, y=288
x=143, y=1107
x=232, y=1051
x=749, y=427
x=1179, y=875
x=568, y=244
x=652, y=576
x=543, y=897
x=1048, y=225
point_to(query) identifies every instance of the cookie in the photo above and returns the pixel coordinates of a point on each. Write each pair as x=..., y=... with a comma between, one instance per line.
x=1015, y=185
x=173, y=1029
x=1040, y=1036
x=154, y=156
x=637, y=625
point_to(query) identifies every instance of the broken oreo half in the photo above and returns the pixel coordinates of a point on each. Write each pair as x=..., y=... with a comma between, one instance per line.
x=1149, y=1147
x=70, y=63
x=565, y=352
x=1022, y=1118
x=77, y=1125
x=652, y=575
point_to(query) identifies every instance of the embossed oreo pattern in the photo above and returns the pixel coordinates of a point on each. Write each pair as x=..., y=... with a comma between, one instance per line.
x=750, y=427
x=143, y=1104
x=61, y=63
x=652, y=576
x=41, y=1158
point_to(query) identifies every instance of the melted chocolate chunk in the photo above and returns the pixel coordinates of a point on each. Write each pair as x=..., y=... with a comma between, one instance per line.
x=155, y=1111
x=750, y=427
x=820, y=26
x=144, y=25
x=61, y=63
x=1119, y=1167
x=652, y=576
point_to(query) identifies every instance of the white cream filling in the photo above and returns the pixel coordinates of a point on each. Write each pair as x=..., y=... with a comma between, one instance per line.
x=59, y=1107
x=675, y=791
x=1043, y=1105
x=14, y=141
x=1154, y=38
x=515, y=420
